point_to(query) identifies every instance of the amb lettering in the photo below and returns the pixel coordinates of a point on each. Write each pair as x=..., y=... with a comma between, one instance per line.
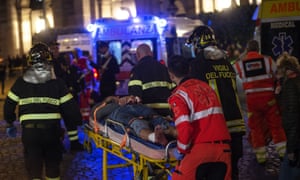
x=293, y=6
x=140, y=29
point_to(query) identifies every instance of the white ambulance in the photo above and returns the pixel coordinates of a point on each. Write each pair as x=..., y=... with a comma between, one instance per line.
x=124, y=36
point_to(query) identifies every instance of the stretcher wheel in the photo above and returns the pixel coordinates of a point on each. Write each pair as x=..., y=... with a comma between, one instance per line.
x=88, y=146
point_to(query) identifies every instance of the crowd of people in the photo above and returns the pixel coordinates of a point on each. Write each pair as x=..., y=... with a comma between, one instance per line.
x=193, y=100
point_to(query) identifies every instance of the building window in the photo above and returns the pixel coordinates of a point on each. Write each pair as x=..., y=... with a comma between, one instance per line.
x=208, y=6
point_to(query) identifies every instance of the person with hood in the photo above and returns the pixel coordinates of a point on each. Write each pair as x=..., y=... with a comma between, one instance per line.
x=42, y=101
x=288, y=72
x=212, y=66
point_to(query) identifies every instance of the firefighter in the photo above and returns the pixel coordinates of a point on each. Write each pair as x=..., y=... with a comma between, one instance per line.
x=150, y=81
x=42, y=101
x=202, y=136
x=257, y=73
x=212, y=66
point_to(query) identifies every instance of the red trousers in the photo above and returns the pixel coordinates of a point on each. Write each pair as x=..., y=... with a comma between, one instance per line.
x=200, y=154
x=264, y=119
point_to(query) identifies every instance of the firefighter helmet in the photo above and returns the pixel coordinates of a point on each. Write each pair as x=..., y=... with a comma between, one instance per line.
x=202, y=37
x=39, y=53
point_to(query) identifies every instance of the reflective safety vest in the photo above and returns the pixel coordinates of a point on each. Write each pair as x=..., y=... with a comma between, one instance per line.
x=221, y=76
x=256, y=72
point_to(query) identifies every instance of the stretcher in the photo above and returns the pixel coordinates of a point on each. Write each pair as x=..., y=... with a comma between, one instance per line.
x=147, y=159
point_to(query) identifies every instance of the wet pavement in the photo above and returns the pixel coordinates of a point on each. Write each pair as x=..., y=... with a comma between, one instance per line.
x=88, y=166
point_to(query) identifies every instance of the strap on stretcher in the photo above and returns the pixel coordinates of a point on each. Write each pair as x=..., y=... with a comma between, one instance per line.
x=96, y=129
x=125, y=140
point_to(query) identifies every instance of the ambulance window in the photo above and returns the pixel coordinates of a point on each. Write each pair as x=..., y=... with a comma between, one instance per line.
x=115, y=48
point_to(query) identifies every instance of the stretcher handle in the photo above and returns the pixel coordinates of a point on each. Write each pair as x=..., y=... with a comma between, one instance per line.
x=96, y=129
x=126, y=139
x=167, y=156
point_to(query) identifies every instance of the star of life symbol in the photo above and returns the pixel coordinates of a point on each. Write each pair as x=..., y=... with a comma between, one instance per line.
x=282, y=43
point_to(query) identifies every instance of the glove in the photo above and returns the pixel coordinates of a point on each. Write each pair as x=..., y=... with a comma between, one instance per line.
x=178, y=155
x=11, y=131
x=76, y=146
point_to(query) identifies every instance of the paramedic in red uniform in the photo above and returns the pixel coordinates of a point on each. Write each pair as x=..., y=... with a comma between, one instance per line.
x=87, y=75
x=150, y=81
x=203, y=141
x=257, y=73
x=42, y=101
x=212, y=66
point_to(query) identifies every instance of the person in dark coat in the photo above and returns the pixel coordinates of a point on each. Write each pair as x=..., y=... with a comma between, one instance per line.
x=107, y=66
x=288, y=90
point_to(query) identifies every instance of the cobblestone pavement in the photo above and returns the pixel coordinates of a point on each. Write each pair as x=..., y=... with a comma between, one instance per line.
x=86, y=166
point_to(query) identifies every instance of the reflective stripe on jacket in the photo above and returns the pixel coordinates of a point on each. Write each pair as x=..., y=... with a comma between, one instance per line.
x=256, y=72
x=198, y=114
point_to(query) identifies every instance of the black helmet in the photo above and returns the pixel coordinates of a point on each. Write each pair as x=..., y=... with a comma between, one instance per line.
x=39, y=53
x=202, y=37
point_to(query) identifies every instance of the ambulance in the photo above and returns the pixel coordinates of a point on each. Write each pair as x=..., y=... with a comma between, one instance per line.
x=82, y=41
x=278, y=26
x=163, y=35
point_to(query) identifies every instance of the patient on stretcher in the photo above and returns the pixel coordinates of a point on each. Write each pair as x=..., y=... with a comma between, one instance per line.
x=138, y=118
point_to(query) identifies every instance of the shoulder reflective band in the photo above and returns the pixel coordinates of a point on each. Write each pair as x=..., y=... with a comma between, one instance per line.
x=44, y=116
x=65, y=98
x=13, y=96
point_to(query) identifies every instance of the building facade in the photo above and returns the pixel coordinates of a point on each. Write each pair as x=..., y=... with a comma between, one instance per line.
x=20, y=20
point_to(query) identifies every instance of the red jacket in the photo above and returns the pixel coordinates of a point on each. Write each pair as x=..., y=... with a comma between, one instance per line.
x=256, y=72
x=198, y=114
